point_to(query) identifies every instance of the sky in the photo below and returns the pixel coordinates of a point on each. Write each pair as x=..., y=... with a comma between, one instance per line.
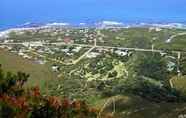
x=15, y=12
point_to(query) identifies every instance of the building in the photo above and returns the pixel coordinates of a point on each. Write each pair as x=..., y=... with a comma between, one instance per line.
x=55, y=68
x=121, y=53
x=68, y=40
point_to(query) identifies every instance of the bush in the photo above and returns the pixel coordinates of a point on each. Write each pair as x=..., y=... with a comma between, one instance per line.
x=15, y=101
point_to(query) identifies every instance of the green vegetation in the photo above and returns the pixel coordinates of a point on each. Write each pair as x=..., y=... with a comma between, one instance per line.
x=138, y=83
x=179, y=83
x=39, y=74
x=17, y=102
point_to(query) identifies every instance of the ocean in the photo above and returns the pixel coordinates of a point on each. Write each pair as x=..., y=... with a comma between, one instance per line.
x=17, y=12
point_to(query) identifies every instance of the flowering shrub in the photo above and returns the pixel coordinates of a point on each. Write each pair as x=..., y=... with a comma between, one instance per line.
x=16, y=102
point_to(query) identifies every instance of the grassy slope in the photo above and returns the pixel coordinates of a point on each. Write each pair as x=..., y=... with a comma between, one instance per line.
x=38, y=73
x=180, y=83
x=135, y=107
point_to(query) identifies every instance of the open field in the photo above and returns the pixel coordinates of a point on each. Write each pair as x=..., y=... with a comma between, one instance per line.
x=180, y=83
x=39, y=74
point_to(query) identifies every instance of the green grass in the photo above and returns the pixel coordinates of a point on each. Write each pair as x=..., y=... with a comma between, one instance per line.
x=39, y=74
x=180, y=83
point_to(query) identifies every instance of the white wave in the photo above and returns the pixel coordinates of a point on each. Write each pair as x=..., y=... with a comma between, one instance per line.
x=111, y=23
x=57, y=24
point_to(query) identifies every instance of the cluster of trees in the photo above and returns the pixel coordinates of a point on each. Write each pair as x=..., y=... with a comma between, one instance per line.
x=183, y=65
x=148, y=78
x=17, y=101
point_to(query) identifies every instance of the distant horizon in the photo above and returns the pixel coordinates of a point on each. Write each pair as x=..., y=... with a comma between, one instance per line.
x=7, y=26
x=18, y=12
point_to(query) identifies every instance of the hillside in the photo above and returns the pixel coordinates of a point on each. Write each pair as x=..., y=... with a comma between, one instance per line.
x=141, y=69
x=39, y=74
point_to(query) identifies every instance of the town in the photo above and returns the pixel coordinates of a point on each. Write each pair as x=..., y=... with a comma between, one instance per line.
x=68, y=49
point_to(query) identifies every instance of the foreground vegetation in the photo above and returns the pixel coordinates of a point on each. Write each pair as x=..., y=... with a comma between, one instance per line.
x=16, y=102
x=39, y=74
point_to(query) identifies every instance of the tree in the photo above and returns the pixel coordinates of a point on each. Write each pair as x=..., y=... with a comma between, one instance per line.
x=15, y=101
x=149, y=65
x=183, y=65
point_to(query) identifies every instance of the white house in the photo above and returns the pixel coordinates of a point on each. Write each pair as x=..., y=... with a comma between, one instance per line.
x=92, y=55
x=55, y=68
x=76, y=49
x=36, y=44
x=121, y=53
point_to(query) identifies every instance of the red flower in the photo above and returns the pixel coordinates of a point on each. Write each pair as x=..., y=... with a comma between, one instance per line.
x=54, y=102
x=36, y=92
x=65, y=103
x=77, y=105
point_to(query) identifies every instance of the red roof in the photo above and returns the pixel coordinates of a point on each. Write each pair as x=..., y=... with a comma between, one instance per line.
x=67, y=40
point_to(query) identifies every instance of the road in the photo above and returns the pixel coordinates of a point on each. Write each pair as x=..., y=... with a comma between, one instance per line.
x=82, y=56
x=174, y=36
x=100, y=46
